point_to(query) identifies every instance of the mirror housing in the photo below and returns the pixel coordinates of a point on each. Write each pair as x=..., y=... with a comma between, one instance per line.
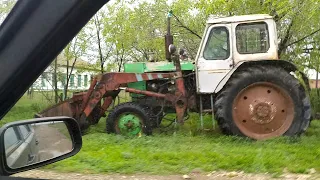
x=40, y=129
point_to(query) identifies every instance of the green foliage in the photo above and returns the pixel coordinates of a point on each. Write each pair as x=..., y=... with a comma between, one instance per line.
x=134, y=30
x=315, y=101
x=35, y=107
x=5, y=7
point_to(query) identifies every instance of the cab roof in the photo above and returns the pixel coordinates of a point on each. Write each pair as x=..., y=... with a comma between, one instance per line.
x=230, y=19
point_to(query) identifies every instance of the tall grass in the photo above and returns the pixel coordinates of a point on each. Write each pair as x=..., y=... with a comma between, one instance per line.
x=182, y=149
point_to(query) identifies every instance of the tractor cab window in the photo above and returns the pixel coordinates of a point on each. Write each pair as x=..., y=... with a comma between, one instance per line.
x=252, y=38
x=217, y=47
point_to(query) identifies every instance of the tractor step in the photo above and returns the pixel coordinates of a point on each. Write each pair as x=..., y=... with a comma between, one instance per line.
x=207, y=111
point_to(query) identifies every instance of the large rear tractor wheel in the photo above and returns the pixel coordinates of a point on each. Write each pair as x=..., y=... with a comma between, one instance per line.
x=263, y=102
x=129, y=119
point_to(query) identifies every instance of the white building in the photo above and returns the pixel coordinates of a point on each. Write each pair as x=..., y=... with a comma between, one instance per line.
x=312, y=75
x=80, y=78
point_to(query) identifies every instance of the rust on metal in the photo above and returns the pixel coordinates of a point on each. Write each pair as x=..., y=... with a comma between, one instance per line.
x=107, y=101
x=181, y=101
x=61, y=109
x=87, y=96
x=263, y=110
x=147, y=93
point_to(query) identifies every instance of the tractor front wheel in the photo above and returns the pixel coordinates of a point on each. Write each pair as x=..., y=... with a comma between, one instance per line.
x=129, y=119
x=263, y=102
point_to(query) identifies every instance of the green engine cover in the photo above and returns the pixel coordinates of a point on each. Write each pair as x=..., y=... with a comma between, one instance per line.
x=145, y=67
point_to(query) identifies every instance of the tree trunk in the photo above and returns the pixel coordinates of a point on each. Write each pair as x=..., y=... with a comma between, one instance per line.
x=65, y=90
x=55, y=81
x=317, y=81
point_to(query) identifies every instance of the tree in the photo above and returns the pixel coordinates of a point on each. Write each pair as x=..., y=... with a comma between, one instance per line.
x=72, y=52
x=100, y=49
x=296, y=19
x=136, y=32
x=5, y=8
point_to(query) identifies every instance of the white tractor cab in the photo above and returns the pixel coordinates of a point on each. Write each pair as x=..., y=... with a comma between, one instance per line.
x=255, y=94
x=228, y=42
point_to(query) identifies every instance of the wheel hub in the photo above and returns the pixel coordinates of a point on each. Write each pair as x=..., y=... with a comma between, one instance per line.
x=263, y=110
x=129, y=124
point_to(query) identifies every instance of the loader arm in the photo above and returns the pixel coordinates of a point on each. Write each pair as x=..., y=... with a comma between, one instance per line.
x=107, y=83
x=86, y=107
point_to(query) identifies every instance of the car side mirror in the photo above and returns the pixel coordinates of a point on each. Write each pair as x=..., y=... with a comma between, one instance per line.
x=30, y=144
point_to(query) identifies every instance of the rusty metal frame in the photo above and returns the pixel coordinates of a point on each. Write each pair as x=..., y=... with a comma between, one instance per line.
x=110, y=82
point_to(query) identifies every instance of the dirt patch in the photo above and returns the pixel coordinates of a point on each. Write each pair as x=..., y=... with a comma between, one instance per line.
x=199, y=176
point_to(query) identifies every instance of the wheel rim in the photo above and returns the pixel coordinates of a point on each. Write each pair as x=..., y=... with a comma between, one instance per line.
x=263, y=110
x=129, y=125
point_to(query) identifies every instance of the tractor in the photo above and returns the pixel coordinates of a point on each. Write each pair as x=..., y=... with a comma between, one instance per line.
x=237, y=76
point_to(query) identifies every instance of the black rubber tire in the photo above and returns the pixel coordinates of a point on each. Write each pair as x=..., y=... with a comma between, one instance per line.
x=129, y=107
x=272, y=74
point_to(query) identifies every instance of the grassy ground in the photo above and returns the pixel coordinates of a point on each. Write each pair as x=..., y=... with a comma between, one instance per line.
x=183, y=151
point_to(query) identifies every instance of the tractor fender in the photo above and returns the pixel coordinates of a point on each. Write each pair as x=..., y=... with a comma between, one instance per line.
x=287, y=65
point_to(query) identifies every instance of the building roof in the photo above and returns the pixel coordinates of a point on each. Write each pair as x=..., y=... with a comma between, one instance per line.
x=214, y=19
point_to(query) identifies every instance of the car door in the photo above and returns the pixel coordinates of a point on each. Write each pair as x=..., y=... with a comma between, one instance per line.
x=215, y=58
x=31, y=142
x=16, y=150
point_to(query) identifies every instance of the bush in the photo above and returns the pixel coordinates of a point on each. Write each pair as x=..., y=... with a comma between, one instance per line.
x=36, y=107
x=315, y=101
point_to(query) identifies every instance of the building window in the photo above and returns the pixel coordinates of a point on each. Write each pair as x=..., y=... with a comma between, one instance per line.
x=43, y=79
x=252, y=38
x=79, y=81
x=43, y=82
x=217, y=47
x=85, y=80
x=63, y=78
x=71, y=80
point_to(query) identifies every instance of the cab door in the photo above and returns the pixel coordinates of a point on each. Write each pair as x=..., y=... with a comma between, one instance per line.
x=214, y=59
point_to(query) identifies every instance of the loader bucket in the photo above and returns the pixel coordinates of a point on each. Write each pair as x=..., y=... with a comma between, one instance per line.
x=64, y=108
x=72, y=108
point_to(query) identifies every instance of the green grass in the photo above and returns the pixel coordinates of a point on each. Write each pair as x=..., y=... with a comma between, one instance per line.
x=184, y=150
x=25, y=108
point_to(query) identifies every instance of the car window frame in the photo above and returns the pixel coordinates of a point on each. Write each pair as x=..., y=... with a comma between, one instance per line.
x=15, y=146
x=27, y=135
